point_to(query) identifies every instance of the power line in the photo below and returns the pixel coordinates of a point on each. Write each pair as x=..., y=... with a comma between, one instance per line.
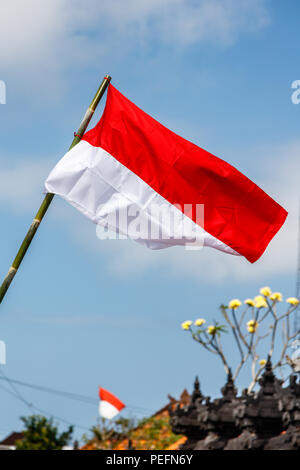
x=61, y=419
x=16, y=394
x=14, y=388
x=68, y=395
x=33, y=407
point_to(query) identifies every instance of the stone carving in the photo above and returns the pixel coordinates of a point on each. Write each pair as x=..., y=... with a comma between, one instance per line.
x=268, y=419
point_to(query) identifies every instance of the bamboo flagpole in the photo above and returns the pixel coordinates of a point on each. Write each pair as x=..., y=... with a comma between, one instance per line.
x=48, y=198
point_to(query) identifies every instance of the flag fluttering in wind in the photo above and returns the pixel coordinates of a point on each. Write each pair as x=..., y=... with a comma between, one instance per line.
x=131, y=163
x=109, y=405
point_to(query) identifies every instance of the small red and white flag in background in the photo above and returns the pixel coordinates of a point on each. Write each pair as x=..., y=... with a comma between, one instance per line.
x=109, y=405
x=131, y=161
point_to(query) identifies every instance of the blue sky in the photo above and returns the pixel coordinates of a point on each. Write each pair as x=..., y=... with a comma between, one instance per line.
x=83, y=312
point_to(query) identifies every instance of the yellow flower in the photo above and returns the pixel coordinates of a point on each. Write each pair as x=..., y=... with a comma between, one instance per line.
x=266, y=291
x=186, y=324
x=211, y=330
x=260, y=302
x=276, y=296
x=252, y=326
x=262, y=362
x=235, y=303
x=292, y=301
x=249, y=302
x=199, y=322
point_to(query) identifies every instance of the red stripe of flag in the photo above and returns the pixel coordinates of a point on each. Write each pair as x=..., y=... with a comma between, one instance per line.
x=236, y=210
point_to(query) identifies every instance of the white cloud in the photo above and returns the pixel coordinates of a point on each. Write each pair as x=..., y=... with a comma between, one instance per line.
x=28, y=30
x=41, y=38
x=183, y=21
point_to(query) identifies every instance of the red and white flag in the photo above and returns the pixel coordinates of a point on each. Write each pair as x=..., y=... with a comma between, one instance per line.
x=109, y=405
x=131, y=163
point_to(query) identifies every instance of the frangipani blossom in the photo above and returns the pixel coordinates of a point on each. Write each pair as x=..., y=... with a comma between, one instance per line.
x=266, y=291
x=252, y=326
x=260, y=302
x=276, y=296
x=292, y=301
x=235, y=303
x=186, y=324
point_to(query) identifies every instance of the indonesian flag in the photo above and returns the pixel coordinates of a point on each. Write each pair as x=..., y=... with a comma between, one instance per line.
x=109, y=405
x=130, y=171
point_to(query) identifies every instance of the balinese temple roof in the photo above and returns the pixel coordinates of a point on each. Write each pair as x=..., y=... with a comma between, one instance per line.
x=268, y=419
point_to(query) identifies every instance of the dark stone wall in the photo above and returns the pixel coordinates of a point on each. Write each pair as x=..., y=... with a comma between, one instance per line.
x=266, y=420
